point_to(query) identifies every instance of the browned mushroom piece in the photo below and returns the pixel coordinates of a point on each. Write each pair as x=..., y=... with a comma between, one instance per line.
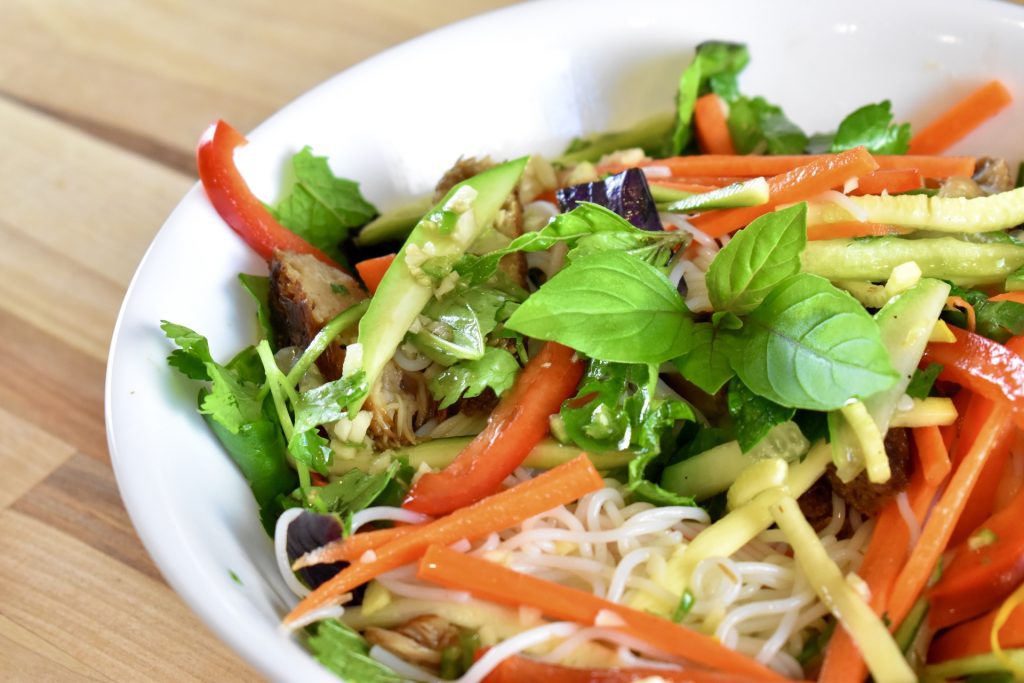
x=510, y=217
x=420, y=641
x=816, y=504
x=993, y=175
x=868, y=498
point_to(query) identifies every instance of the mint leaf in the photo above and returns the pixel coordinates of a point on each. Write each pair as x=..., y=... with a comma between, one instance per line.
x=496, y=369
x=258, y=287
x=759, y=257
x=321, y=207
x=345, y=653
x=192, y=354
x=922, y=381
x=753, y=416
x=871, y=127
x=715, y=66
x=602, y=304
x=706, y=364
x=759, y=127
x=810, y=345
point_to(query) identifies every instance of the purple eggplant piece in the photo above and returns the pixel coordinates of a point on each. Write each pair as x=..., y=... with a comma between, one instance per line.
x=310, y=531
x=626, y=193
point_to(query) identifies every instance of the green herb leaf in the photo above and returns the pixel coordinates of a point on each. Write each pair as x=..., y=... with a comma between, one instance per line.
x=759, y=257
x=496, y=369
x=356, y=490
x=997, y=320
x=871, y=126
x=602, y=304
x=461, y=321
x=329, y=402
x=753, y=416
x=715, y=66
x=192, y=354
x=258, y=287
x=312, y=450
x=345, y=652
x=759, y=127
x=706, y=364
x=921, y=383
x=231, y=402
x=656, y=424
x=321, y=207
x=810, y=345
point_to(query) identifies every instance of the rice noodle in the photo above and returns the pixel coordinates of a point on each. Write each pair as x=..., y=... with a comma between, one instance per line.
x=281, y=551
x=841, y=200
x=386, y=513
x=907, y=513
x=513, y=646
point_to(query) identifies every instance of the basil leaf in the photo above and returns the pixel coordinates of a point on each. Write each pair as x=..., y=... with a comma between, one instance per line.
x=759, y=257
x=810, y=345
x=756, y=126
x=706, y=364
x=321, y=207
x=602, y=304
x=496, y=369
x=753, y=416
x=871, y=127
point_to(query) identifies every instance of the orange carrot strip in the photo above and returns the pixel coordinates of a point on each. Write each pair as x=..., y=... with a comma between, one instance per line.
x=1010, y=483
x=887, y=551
x=960, y=302
x=939, y=527
x=372, y=270
x=932, y=454
x=844, y=229
x=517, y=669
x=960, y=119
x=352, y=548
x=891, y=180
x=712, y=128
x=1016, y=297
x=975, y=637
x=493, y=582
x=750, y=166
x=796, y=185
x=676, y=184
x=555, y=487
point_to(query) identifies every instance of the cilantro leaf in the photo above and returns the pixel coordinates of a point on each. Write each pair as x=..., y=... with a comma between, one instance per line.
x=231, y=401
x=192, y=354
x=346, y=653
x=356, y=490
x=871, y=126
x=321, y=207
x=258, y=287
x=461, y=321
x=753, y=416
x=922, y=381
x=329, y=402
x=496, y=369
x=760, y=127
x=810, y=345
x=758, y=258
x=602, y=303
x=312, y=450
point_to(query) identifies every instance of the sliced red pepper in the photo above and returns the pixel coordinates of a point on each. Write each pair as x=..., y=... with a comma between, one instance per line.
x=517, y=669
x=236, y=203
x=975, y=637
x=983, y=366
x=518, y=423
x=978, y=579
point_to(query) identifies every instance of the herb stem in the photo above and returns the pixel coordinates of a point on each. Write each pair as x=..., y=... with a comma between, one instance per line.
x=322, y=340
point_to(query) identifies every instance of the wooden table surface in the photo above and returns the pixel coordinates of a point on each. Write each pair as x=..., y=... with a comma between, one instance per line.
x=101, y=103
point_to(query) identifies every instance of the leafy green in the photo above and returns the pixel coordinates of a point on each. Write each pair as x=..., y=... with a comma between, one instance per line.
x=312, y=450
x=759, y=257
x=871, y=126
x=321, y=207
x=810, y=345
x=356, y=490
x=496, y=369
x=461, y=321
x=715, y=66
x=345, y=652
x=815, y=645
x=258, y=287
x=706, y=363
x=329, y=402
x=998, y=320
x=193, y=352
x=753, y=416
x=921, y=383
x=586, y=229
x=758, y=126
x=602, y=304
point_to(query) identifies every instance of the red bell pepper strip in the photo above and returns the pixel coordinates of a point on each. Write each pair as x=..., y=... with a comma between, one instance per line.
x=979, y=579
x=983, y=366
x=372, y=270
x=518, y=423
x=236, y=203
x=517, y=669
x=974, y=637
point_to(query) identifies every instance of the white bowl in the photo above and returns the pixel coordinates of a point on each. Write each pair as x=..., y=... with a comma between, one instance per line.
x=523, y=79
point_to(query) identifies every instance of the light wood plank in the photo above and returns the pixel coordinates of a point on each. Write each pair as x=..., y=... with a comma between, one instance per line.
x=27, y=455
x=32, y=658
x=147, y=635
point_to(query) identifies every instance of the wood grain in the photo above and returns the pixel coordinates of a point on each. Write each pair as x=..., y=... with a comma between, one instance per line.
x=100, y=107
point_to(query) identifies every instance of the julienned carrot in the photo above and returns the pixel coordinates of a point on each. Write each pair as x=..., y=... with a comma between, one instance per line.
x=558, y=486
x=974, y=637
x=891, y=180
x=1016, y=297
x=850, y=229
x=968, y=309
x=804, y=182
x=960, y=119
x=887, y=551
x=372, y=270
x=932, y=454
x=712, y=128
x=951, y=433
x=944, y=516
x=751, y=166
x=517, y=669
x=352, y=548
x=493, y=582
